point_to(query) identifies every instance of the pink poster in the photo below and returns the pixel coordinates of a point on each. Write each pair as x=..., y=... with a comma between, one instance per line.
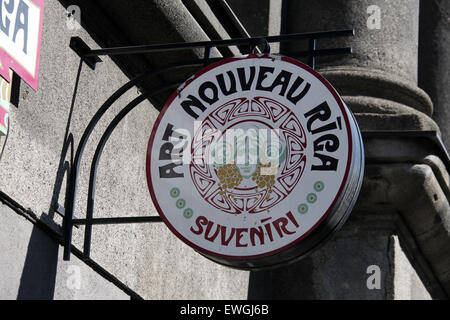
x=5, y=97
x=20, y=38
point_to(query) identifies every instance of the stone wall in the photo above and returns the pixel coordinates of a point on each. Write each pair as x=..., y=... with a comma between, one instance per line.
x=403, y=234
x=147, y=258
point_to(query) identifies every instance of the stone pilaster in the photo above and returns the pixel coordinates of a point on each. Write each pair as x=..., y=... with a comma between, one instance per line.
x=379, y=80
x=399, y=224
x=434, y=60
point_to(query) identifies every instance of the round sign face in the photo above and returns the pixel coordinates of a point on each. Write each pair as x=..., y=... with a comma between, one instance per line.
x=249, y=156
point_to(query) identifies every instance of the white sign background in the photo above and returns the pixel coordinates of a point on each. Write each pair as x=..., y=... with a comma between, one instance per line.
x=333, y=181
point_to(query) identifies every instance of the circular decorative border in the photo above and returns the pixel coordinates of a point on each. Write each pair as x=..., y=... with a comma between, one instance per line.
x=232, y=116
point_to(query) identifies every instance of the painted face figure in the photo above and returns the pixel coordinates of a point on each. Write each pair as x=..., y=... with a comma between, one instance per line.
x=251, y=155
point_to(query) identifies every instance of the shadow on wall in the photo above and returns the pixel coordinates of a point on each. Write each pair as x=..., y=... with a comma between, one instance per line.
x=39, y=271
x=285, y=283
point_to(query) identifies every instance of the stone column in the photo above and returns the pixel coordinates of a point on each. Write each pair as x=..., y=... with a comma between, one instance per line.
x=434, y=60
x=259, y=17
x=365, y=261
x=379, y=84
x=379, y=80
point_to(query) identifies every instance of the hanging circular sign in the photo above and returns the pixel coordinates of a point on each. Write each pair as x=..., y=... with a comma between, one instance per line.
x=255, y=161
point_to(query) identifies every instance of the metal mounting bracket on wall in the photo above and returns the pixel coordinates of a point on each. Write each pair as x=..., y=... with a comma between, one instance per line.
x=91, y=58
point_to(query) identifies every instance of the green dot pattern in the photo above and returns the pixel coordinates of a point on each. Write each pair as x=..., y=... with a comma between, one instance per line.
x=302, y=208
x=311, y=198
x=319, y=186
x=181, y=203
x=174, y=192
x=188, y=213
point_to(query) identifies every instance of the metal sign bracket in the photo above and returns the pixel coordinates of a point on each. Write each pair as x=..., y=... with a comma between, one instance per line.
x=91, y=58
